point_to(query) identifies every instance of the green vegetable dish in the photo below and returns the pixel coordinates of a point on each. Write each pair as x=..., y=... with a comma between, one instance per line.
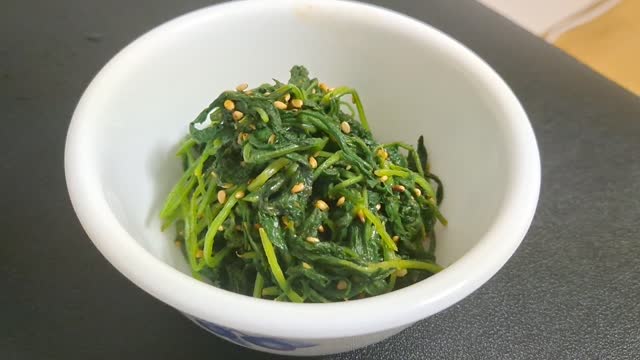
x=286, y=196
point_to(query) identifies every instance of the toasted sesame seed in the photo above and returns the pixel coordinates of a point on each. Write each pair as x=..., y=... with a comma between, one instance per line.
x=199, y=253
x=306, y=266
x=418, y=192
x=396, y=238
x=345, y=127
x=239, y=195
x=287, y=97
x=229, y=105
x=242, y=87
x=227, y=185
x=342, y=285
x=320, y=204
x=280, y=105
x=313, y=162
x=222, y=196
x=249, y=92
x=267, y=93
x=348, y=167
x=401, y=272
x=382, y=154
x=252, y=127
x=378, y=207
x=323, y=87
x=272, y=139
x=384, y=178
x=399, y=188
x=313, y=91
x=330, y=89
x=296, y=103
x=220, y=228
x=361, y=216
x=257, y=226
x=312, y=240
x=341, y=201
x=297, y=188
x=321, y=228
x=237, y=115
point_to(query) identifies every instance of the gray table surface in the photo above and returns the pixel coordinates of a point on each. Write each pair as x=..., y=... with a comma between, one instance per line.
x=572, y=289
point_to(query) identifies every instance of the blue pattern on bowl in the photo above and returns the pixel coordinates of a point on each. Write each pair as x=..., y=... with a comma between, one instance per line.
x=250, y=341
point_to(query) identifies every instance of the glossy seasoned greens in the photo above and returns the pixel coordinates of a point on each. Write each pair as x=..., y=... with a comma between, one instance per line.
x=286, y=196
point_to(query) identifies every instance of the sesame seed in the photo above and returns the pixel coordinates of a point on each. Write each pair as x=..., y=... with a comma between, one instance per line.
x=306, y=266
x=222, y=196
x=312, y=240
x=341, y=201
x=242, y=87
x=323, y=87
x=272, y=139
x=321, y=228
x=378, y=207
x=345, y=127
x=280, y=105
x=239, y=195
x=296, y=103
x=229, y=105
x=220, y=228
x=237, y=115
x=297, y=188
x=396, y=238
x=384, y=178
x=417, y=192
x=342, y=285
x=257, y=226
x=199, y=253
x=313, y=162
x=382, y=154
x=287, y=97
x=398, y=188
x=227, y=185
x=320, y=204
x=401, y=272
x=361, y=216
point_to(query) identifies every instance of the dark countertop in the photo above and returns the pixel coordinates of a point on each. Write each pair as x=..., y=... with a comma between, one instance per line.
x=572, y=289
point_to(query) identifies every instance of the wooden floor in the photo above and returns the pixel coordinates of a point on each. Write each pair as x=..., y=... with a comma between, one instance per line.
x=610, y=44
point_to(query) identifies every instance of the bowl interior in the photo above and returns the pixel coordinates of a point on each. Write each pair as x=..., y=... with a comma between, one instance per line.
x=409, y=87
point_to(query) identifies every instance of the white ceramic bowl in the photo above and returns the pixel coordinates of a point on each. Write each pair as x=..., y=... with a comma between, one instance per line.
x=413, y=80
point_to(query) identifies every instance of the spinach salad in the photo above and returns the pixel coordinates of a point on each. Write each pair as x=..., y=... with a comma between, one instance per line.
x=286, y=196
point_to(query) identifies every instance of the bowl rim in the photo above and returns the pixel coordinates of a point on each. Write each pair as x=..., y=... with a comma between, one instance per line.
x=288, y=320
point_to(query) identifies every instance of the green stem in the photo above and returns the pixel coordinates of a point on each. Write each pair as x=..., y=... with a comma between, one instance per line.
x=257, y=286
x=275, y=267
x=215, y=224
x=267, y=173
